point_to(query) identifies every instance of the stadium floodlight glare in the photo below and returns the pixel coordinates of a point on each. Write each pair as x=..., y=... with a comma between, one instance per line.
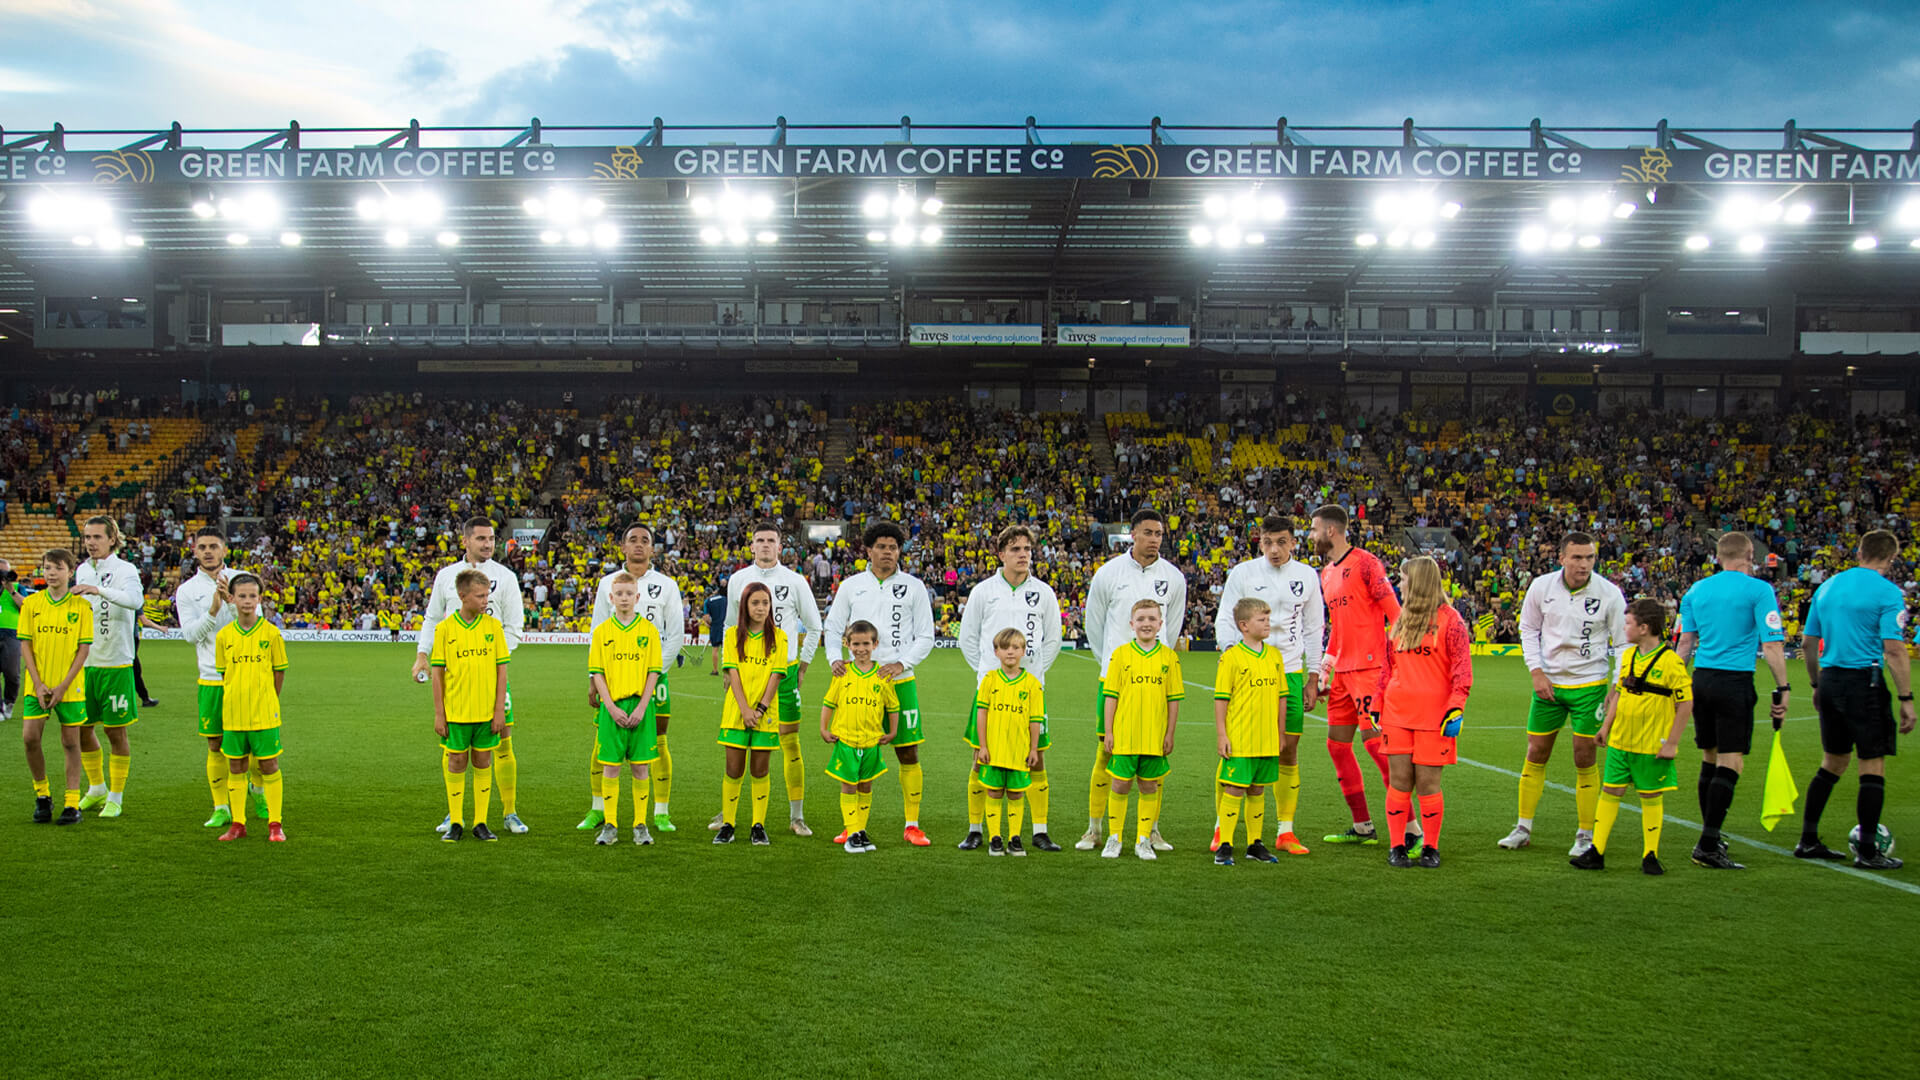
x=75, y=212
x=932, y=206
x=876, y=236
x=578, y=237
x=83, y=240
x=1590, y=240
x=1423, y=238
x=1255, y=238
x=1865, y=243
x=1910, y=213
x=1228, y=236
x=1799, y=213
x=550, y=236
x=136, y=240
x=931, y=234
x=1753, y=243
x=237, y=239
x=447, y=238
x=1365, y=240
x=1397, y=238
x=875, y=206
x=562, y=207
x=734, y=212
x=712, y=235
x=605, y=235
x=1624, y=209
x=203, y=209
x=1533, y=238
x=768, y=236
x=1560, y=241
x=1449, y=210
x=1914, y=243
x=1699, y=242
x=254, y=209
x=903, y=235
x=738, y=236
x=397, y=238
x=1215, y=206
x=290, y=239
x=367, y=208
x=1200, y=235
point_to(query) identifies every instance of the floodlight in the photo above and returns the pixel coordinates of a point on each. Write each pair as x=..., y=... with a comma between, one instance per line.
x=1200, y=235
x=447, y=238
x=1865, y=243
x=1698, y=242
x=931, y=234
x=1365, y=240
x=290, y=239
x=1752, y=243
x=874, y=207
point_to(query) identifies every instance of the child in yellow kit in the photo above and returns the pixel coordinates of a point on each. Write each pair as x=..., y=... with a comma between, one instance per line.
x=861, y=714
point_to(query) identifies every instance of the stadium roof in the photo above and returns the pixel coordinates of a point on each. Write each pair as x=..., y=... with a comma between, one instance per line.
x=1026, y=211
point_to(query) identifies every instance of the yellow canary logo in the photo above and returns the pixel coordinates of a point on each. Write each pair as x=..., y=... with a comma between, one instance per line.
x=1110, y=162
x=623, y=164
x=128, y=166
x=1651, y=170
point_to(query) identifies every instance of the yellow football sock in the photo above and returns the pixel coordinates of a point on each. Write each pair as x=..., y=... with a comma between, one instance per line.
x=482, y=793
x=1586, y=794
x=1256, y=817
x=254, y=776
x=730, y=799
x=610, y=794
x=911, y=781
x=796, y=768
x=866, y=809
x=596, y=775
x=1286, y=797
x=456, y=796
x=1653, y=814
x=1117, y=813
x=1229, y=817
x=90, y=761
x=507, y=768
x=662, y=776
x=1016, y=816
x=275, y=791
x=217, y=777
x=1100, y=785
x=850, y=812
x=73, y=798
x=1148, y=818
x=1533, y=781
x=976, y=800
x=995, y=814
x=762, y=791
x=237, y=797
x=1037, y=794
x=1219, y=803
x=1608, y=811
x=42, y=789
x=118, y=766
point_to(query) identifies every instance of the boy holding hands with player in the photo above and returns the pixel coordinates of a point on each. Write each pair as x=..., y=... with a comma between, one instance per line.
x=468, y=664
x=1642, y=734
x=1140, y=697
x=860, y=714
x=251, y=657
x=1249, y=712
x=1009, y=719
x=624, y=663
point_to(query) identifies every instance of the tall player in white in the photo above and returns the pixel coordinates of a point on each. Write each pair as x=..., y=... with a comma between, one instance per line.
x=204, y=606
x=662, y=605
x=1292, y=589
x=477, y=542
x=112, y=588
x=1132, y=576
x=899, y=604
x=1011, y=598
x=793, y=606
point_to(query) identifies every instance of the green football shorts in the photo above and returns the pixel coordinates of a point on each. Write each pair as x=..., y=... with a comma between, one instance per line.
x=1576, y=705
x=1296, y=702
x=636, y=745
x=1249, y=771
x=1648, y=774
x=1141, y=766
x=464, y=737
x=995, y=779
x=64, y=713
x=264, y=743
x=789, y=699
x=856, y=764
x=910, y=732
x=211, y=698
x=760, y=738
x=111, y=701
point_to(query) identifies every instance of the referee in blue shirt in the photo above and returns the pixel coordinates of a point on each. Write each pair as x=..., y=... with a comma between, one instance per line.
x=1856, y=616
x=1724, y=620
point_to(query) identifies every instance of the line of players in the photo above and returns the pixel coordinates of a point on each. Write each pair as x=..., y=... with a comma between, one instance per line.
x=1575, y=637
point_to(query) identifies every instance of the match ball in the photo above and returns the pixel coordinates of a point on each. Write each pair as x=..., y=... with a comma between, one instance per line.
x=420, y=678
x=1883, y=840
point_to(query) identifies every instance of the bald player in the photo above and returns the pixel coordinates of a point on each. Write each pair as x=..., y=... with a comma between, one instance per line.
x=1360, y=605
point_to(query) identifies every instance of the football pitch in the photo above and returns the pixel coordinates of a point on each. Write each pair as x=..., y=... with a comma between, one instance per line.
x=364, y=947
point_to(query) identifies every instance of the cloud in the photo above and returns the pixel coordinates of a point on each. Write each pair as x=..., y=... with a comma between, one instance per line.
x=425, y=68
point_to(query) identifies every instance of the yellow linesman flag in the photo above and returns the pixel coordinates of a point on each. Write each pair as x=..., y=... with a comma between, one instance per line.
x=1781, y=792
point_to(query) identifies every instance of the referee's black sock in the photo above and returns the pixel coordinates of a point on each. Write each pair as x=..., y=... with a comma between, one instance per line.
x=1707, y=769
x=1818, y=793
x=1719, y=800
x=1873, y=795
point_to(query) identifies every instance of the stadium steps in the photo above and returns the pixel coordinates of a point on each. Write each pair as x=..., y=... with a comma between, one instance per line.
x=839, y=439
x=1102, y=449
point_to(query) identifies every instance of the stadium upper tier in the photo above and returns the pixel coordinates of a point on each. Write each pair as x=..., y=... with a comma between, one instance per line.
x=349, y=507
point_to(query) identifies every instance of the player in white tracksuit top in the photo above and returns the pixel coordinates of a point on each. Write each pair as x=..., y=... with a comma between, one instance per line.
x=202, y=609
x=661, y=605
x=443, y=601
x=1572, y=634
x=1011, y=599
x=798, y=613
x=1122, y=581
x=111, y=586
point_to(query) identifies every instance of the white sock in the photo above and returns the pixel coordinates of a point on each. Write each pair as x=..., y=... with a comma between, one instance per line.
x=599, y=803
x=914, y=824
x=1282, y=829
x=1039, y=827
x=1525, y=823
x=114, y=797
x=659, y=808
x=1096, y=826
x=796, y=809
x=975, y=827
x=96, y=789
x=1363, y=826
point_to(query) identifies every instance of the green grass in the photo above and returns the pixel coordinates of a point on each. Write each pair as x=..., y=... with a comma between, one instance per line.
x=365, y=948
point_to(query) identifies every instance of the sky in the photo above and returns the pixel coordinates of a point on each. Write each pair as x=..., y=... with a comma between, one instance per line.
x=142, y=64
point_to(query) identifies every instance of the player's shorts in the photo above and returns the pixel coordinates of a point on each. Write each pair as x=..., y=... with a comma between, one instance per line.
x=1139, y=766
x=636, y=745
x=1427, y=746
x=760, y=738
x=1353, y=697
x=64, y=713
x=1249, y=771
x=1723, y=704
x=856, y=764
x=264, y=743
x=111, y=701
x=994, y=778
x=464, y=737
x=211, y=698
x=509, y=704
x=1296, y=702
x=1856, y=713
x=1575, y=706
x=910, y=731
x=1648, y=774
x=662, y=699
x=789, y=699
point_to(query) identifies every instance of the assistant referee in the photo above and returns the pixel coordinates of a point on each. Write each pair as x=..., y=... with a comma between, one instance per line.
x=1856, y=617
x=1724, y=620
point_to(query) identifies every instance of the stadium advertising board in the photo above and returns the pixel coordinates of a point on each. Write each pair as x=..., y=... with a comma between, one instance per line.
x=1643, y=165
x=1101, y=336
x=955, y=334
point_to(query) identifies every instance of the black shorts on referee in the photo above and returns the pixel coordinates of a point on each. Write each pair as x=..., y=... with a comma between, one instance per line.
x=1723, y=704
x=1856, y=713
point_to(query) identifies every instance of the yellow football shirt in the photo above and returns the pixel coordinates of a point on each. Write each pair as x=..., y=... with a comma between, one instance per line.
x=860, y=703
x=1253, y=685
x=246, y=660
x=760, y=665
x=624, y=654
x=56, y=631
x=1642, y=721
x=1012, y=705
x=471, y=653
x=1144, y=681
x=389, y=620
